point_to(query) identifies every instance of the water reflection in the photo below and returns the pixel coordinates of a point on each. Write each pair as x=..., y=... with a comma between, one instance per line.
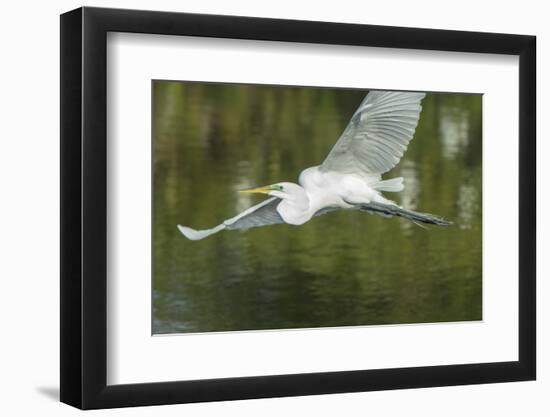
x=409, y=196
x=453, y=131
x=467, y=203
x=337, y=270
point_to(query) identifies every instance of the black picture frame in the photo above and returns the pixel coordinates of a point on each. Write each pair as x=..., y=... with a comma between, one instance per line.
x=84, y=207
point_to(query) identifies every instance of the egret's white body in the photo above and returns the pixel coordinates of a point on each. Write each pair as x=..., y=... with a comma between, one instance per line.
x=318, y=190
x=350, y=177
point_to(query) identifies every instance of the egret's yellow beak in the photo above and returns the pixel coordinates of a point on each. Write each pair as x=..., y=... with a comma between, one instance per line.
x=263, y=190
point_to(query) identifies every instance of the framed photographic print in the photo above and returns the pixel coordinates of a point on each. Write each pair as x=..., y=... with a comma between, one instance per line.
x=258, y=208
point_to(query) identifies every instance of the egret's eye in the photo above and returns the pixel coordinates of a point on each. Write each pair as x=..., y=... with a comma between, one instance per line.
x=277, y=187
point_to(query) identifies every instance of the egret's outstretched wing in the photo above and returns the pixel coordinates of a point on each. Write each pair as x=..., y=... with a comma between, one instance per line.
x=377, y=135
x=262, y=214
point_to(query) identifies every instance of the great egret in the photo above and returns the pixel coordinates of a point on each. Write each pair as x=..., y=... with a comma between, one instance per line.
x=350, y=177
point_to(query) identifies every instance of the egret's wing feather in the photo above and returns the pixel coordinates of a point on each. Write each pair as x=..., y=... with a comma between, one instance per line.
x=325, y=210
x=262, y=214
x=390, y=210
x=377, y=135
x=193, y=234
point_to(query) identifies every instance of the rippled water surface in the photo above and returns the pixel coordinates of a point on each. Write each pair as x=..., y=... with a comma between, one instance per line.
x=341, y=269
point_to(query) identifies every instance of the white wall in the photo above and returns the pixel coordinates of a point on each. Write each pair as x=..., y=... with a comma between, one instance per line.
x=29, y=235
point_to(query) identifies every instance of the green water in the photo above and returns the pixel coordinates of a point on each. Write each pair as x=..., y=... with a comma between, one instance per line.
x=341, y=269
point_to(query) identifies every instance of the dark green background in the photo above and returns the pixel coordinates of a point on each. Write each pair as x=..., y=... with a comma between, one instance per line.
x=346, y=268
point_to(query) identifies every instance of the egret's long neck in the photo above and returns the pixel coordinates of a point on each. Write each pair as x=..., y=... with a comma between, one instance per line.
x=294, y=207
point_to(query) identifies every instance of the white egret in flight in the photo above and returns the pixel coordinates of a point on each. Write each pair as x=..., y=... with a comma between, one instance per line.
x=350, y=177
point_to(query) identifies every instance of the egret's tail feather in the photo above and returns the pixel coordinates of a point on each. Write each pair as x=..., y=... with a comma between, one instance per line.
x=393, y=185
x=193, y=234
x=394, y=210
